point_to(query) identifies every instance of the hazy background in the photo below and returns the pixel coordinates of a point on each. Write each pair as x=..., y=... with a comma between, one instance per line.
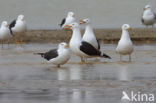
x=47, y=14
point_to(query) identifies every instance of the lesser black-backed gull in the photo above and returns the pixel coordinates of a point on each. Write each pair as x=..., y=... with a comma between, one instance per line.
x=89, y=35
x=5, y=32
x=69, y=19
x=148, y=17
x=125, y=45
x=82, y=48
x=57, y=56
x=18, y=27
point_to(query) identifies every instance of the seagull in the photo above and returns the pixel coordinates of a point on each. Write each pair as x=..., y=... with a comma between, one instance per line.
x=69, y=19
x=89, y=35
x=4, y=32
x=82, y=48
x=125, y=45
x=57, y=56
x=18, y=26
x=148, y=17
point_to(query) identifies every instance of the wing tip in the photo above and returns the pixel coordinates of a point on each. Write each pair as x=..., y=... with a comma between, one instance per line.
x=42, y=54
x=106, y=56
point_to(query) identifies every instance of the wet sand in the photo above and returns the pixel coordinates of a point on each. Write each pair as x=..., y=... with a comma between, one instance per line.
x=139, y=36
x=25, y=77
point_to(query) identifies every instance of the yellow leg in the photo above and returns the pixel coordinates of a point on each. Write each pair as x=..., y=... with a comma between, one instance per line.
x=21, y=40
x=15, y=39
x=129, y=58
x=120, y=57
x=82, y=60
x=2, y=44
x=8, y=43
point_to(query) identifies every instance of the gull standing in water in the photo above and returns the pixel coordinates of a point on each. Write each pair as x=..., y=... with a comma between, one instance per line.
x=125, y=45
x=148, y=17
x=57, y=56
x=82, y=48
x=5, y=32
x=18, y=27
x=89, y=35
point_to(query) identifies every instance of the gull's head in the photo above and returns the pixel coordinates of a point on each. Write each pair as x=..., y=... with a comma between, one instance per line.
x=147, y=7
x=126, y=27
x=64, y=45
x=20, y=17
x=5, y=24
x=72, y=26
x=85, y=21
x=71, y=14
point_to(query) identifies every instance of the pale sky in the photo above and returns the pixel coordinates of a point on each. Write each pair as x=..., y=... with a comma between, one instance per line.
x=47, y=14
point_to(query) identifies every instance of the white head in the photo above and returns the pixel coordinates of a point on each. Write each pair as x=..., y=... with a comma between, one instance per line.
x=126, y=27
x=4, y=24
x=147, y=7
x=63, y=45
x=72, y=26
x=20, y=17
x=85, y=21
x=71, y=14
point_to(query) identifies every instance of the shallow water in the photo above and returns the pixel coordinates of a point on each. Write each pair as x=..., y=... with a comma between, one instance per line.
x=26, y=78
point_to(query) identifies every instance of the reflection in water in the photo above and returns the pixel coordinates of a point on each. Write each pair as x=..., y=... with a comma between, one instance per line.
x=124, y=73
x=125, y=101
x=75, y=72
x=62, y=74
x=72, y=73
x=78, y=96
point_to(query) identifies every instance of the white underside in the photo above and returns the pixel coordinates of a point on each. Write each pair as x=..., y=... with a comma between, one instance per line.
x=90, y=37
x=62, y=58
x=4, y=34
x=75, y=48
x=125, y=45
x=148, y=17
x=20, y=27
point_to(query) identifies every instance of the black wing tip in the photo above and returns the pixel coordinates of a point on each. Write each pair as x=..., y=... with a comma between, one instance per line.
x=37, y=53
x=98, y=41
x=11, y=33
x=42, y=54
x=142, y=20
x=106, y=56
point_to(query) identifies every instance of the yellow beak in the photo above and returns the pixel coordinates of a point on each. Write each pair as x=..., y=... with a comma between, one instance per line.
x=7, y=25
x=82, y=22
x=22, y=19
x=129, y=28
x=67, y=46
x=73, y=16
x=144, y=8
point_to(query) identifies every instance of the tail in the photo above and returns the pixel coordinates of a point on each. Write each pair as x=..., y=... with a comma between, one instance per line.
x=11, y=33
x=61, y=26
x=42, y=54
x=105, y=55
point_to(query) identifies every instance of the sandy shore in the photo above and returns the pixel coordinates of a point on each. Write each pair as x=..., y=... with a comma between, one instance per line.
x=104, y=35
